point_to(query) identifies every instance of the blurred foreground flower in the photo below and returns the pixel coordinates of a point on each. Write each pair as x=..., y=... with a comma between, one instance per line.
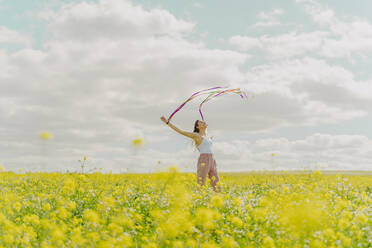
x=138, y=143
x=46, y=135
x=2, y=169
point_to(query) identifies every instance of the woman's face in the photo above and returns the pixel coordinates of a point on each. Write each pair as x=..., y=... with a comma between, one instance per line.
x=202, y=124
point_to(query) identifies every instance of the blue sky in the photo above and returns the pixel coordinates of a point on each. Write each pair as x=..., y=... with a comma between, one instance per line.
x=100, y=73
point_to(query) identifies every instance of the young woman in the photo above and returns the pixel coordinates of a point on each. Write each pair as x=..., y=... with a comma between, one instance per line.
x=206, y=162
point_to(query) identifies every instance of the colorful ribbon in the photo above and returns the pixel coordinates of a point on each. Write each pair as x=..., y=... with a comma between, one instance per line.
x=212, y=93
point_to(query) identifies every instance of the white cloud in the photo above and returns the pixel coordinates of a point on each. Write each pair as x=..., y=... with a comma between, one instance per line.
x=318, y=151
x=349, y=36
x=287, y=45
x=269, y=18
x=338, y=38
x=244, y=43
x=9, y=36
x=113, y=19
x=307, y=91
x=314, y=90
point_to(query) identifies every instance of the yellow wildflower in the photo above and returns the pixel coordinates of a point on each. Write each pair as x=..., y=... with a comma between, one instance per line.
x=228, y=242
x=91, y=216
x=268, y=242
x=139, y=142
x=217, y=201
x=46, y=135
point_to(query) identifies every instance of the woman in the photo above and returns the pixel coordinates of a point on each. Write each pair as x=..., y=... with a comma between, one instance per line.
x=206, y=162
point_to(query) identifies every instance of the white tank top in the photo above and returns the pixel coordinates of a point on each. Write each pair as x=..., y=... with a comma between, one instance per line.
x=205, y=146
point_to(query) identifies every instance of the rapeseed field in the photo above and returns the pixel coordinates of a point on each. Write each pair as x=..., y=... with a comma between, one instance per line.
x=168, y=209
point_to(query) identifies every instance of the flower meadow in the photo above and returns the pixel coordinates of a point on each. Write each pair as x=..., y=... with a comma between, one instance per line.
x=168, y=209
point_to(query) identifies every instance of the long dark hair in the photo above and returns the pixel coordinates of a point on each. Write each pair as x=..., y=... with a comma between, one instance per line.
x=196, y=129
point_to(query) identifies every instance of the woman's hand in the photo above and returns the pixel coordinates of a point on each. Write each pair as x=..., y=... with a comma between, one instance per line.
x=164, y=119
x=187, y=134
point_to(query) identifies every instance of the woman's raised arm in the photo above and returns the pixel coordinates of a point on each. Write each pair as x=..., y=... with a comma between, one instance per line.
x=187, y=134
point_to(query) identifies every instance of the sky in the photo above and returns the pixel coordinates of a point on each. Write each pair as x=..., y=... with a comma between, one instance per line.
x=99, y=74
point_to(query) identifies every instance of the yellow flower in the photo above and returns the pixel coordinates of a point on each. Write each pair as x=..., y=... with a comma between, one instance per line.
x=343, y=223
x=329, y=234
x=139, y=142
x=57, y=234
x=248, y=207
x=115, y=228
x=106, y=243
x=346, y=241
x=29, y=231
x=259, y=214
x=317, y=244
x=17, y=206
x=341, y=204
x=176, y=224
x=361, y=218
x=45, y=223
x=217, y=201
x=317, y=173
x=268, y=242
x=346, y=215
x=45, y=244
x=303, y=216
x=93, y=236
x=286, y=189
x=31, y=219
x=150, y=245
x=264, y=201
x=237, y=201
x=125, y=241
x=91, y=216
x=46, y=207
x=109, y=201
x=8, y=239
x=236, y=221
x=190, y=243
x=156, y=214
x=228, y=242
x=177, y=244
x=46, y=135
x=206, y=217
x=63, y=213
x=248, y=218
x=71, y=205
x=272, y=192
x=124, y=221
x=209, y=245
